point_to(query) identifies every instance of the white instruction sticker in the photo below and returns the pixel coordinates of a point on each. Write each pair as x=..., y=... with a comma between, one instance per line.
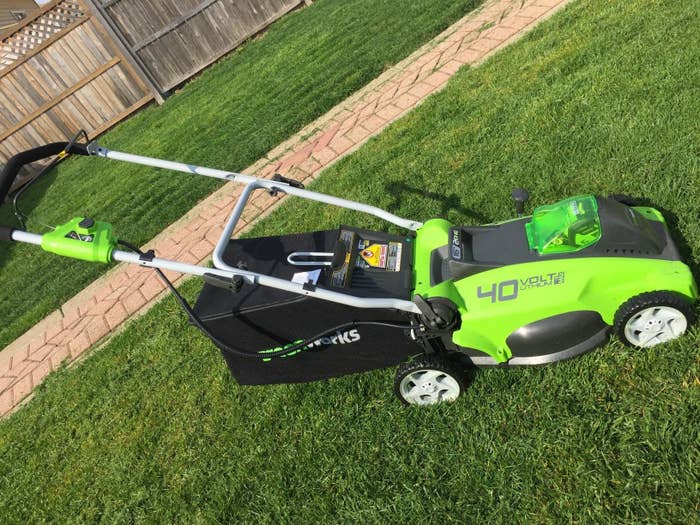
x=305, y=277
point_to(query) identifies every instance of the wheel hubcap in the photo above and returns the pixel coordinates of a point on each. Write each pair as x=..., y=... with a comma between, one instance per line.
x=427, y=387
x=655, y=325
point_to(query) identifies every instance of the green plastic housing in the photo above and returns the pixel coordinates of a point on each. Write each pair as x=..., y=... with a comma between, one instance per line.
x=578, y=283
x=566, y=226
x=93, y=244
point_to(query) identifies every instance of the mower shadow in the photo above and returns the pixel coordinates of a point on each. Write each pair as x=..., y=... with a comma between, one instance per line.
x=682, y=244
x=447, y=202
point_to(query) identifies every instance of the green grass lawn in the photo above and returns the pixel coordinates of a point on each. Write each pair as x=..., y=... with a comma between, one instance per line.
x=601, y=98
x=229, y=117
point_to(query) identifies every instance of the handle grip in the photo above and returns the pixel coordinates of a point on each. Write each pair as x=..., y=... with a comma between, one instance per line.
x=11, y=169
x=6, y=233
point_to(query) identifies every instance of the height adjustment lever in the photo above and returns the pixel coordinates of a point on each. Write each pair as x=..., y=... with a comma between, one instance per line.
x=293, y=183
x=437, y=313
x=284, y=180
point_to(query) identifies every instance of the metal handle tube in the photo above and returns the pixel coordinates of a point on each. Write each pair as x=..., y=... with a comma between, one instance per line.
x=266, y=280
x=26, y=237
x=249, y=277
x=262, y=183
x=218, y=254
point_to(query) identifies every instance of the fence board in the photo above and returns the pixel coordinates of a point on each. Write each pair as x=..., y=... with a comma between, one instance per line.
x=174, y=39
x=61, y=72
x=87, y=64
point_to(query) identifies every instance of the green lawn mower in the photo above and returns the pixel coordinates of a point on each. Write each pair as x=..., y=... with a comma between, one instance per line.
x=294, y=308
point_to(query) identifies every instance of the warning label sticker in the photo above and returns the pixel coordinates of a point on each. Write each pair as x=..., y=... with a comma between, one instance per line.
x=375, y=255
x=379, y=256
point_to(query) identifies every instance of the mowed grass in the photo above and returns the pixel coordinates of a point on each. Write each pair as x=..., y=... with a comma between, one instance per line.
x=229, y=117
x=601, y=98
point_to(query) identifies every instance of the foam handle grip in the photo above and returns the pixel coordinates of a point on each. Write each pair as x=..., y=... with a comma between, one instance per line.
x=11, y=169
x=6, y=233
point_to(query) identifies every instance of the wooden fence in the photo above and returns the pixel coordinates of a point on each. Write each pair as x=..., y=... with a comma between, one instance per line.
x=60, y=72
x=87, y=64
x=174, y=39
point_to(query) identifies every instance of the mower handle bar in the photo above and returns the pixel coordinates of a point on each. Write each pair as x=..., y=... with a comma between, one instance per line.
x=15, y=163
x=249, y=277
x=220, y=267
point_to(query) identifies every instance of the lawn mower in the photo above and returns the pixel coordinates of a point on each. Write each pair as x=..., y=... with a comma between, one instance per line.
x=294, y=308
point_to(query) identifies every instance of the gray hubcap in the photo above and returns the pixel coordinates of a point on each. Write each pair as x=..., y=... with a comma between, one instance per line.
x=654, y=325
x=428, y=387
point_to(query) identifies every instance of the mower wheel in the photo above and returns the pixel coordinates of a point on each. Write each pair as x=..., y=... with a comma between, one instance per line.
x=653, y=318
x=429, y=380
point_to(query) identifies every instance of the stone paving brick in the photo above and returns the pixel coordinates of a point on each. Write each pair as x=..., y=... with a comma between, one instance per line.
x=484, y=44
x=41, y=353
x=41, y=371
x=437, y=79
x=101, y=307
x=6, y=404
x=311, y=165
x=374, y=122
x=325, y=139
x=348, y=124
x=406, y=101
x=388, y=92
x=451, y=67
x=59, y=355
x=96, y=329
x=111, y=300
x=151, y=287
x=422, y=90
x=368, y=110
x=19, y=366
x=78, y=344
x=22, y=387
x=517, y=21
x=202, y=250
x=501, y=33
x=535, y=11
x=389, y=112
x=468, y=56
x=116, y=315
x=134, y=302
x=5, y=382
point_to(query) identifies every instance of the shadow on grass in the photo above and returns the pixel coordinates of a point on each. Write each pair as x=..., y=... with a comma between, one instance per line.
x=672, y=222
x=446, y=202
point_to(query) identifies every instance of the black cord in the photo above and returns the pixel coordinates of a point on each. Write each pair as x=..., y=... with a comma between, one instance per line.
x=22, y=217
x=197, y=321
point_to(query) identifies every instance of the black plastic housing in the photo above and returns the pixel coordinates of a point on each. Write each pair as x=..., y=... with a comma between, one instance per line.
x=261, y=318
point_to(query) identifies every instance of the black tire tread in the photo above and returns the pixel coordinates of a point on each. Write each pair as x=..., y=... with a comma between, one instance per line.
x=433, y=362
x=647, y=300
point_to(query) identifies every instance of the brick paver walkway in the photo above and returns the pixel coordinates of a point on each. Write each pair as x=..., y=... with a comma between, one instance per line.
x=125, y=291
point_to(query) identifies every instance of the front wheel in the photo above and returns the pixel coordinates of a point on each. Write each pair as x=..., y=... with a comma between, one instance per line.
x=428, y=380
x=653, y=318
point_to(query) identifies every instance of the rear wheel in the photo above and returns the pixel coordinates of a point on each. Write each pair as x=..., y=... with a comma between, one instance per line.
x=653, y=318
x=428, y=380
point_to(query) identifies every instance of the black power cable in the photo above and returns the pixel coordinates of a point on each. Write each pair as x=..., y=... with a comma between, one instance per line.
x=22, y=217
x=197, y=321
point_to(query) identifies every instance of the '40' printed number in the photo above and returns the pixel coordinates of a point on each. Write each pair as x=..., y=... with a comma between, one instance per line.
x=503, y=291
